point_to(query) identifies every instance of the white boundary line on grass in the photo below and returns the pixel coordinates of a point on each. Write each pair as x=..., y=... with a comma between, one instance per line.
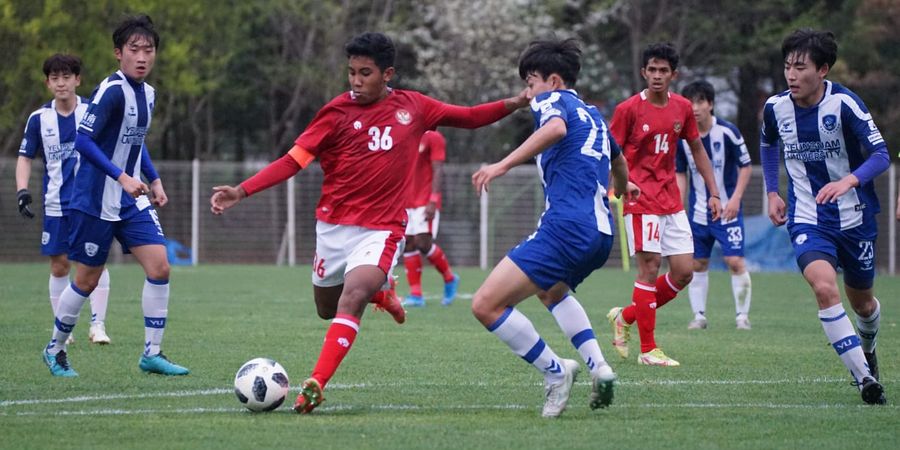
x=339, y=386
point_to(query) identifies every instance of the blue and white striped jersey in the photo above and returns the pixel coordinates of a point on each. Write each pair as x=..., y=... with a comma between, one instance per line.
x=117, y=119
x=54, y=134
x=727, y=153
x=575, y=171
x=821, y=144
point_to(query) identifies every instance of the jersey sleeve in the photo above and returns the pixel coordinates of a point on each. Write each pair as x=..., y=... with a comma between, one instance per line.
x=105, y=102
x=31, y=141
x=681, y=164
x=437, y=145
x=547, y=106
x=621, y=123
x=768, y=133
x=440, y=113
x=856, y=114
x=315, y=137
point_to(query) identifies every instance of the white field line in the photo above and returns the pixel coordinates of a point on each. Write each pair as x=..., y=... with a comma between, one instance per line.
x=339, y=386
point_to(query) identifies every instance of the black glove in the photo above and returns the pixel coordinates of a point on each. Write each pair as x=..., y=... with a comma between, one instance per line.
x=24, y=199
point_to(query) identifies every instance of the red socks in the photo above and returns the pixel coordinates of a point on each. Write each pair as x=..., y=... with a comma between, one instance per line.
x=646, y=299
x=439, y=260
x=413, y=263
x=338, y=340
x=665, y=290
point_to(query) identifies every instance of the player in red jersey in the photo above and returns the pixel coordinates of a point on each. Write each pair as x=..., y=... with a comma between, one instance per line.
x=424, y=210
x=648, y=127
x=366, y=142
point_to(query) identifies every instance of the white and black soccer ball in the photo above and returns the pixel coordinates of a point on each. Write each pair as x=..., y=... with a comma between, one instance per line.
x=261, y=384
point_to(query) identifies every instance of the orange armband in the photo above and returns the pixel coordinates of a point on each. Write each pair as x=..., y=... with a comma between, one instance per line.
x=301, y=155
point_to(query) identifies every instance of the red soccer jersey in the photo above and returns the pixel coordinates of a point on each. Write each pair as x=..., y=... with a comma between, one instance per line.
x=432, y=148
x=648, y=136
x=367, y=152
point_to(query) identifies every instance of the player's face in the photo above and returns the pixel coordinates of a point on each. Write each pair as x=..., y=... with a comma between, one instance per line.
x=537, y=85
x=702, y=109
x=136, y=57
x=367, y=81
x=659, y=74
x=803, y=79
x=63, y=85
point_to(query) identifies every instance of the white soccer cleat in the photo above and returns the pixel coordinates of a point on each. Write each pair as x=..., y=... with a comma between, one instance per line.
x=97, y=334
x=70, y=340
x=602, y=382
x=656, y=357
x=557, y=394
x=697, y=324
x=742, y=322
x=621, y=331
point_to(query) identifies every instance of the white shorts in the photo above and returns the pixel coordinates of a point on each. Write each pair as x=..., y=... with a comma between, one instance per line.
x=342, y=248
x=416, y=224
x=667, y=235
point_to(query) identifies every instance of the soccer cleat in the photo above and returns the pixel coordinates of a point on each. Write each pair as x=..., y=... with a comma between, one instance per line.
x=450, y=289
x=557, y=394
x=602, y=387
x=160, y=364
x=742, y=323
x=97, y=334
x=872, y=391
x=656, y=357
x=390, y=303
x=872, y=361
x=621, y=331
x=697, y=324
x=413, y=301
x=310, y=397
x=59, y=364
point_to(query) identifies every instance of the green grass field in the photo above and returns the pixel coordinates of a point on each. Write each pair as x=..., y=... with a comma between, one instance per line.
x=438, y=381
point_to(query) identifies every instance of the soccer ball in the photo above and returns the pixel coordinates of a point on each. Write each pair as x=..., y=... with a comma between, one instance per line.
x=261, y=384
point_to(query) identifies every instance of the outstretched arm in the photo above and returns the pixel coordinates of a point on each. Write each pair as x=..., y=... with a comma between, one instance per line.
x=483, y=114
x=277, y=171
x=544, y=137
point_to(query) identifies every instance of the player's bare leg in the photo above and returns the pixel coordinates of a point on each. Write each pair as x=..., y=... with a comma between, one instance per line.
x=360, y=284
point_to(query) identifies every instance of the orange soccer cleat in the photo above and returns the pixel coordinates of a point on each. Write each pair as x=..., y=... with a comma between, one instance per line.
x=310, y=397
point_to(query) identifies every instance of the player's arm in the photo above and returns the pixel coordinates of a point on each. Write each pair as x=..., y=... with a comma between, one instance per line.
x=439, y=113
x=276, y=172
x=545, y=136
x=878, y=161
x=618, y=169
x=434, y=200
x=681, y=180
x=768, y=155
x=23, y=197
x=704, y=166
x=157, y=194
x=734, y=202
x=681, y=167
x=91, y=152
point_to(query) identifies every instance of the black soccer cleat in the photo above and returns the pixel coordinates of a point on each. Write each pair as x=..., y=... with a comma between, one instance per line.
x=872, y=361
x=872, y=392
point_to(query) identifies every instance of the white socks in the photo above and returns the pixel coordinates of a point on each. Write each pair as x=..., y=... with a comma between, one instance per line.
x=70, y=302
x=155, y=303
x=868, y=328
x=519, y=334
x=57, y=286
x=574, y=322
x=697, y=292
x=100, y=298
x=741, y=289
x=843, y=338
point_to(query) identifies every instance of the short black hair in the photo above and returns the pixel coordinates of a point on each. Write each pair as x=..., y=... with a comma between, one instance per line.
x=661, y=50
x=819, y=45
x=374, y=45
x=63, y=64
x=140, y=25
x=552, y=56
x=700, y=90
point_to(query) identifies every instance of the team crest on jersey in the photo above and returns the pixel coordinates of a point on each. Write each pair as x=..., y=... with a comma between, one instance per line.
x=677, y=127
x=717, y=147
x=91, y=248
x=404, y=117
x=829, y=123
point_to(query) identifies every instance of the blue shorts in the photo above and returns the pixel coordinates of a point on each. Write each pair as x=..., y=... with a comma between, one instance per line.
x=854, y=249
x=563, y=253
x=91, y=237
x=730, y=237
x=55, y=238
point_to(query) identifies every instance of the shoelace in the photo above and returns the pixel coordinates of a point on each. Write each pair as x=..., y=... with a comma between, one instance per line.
x=62, y=360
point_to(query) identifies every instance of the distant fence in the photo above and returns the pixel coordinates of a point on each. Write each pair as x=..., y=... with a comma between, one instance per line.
x=473, y=231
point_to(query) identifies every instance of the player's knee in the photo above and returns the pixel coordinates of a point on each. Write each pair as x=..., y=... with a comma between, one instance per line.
x=159, y=271
x=480, y=308
x=59, y=269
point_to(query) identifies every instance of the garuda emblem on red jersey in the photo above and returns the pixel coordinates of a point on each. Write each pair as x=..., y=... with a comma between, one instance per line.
x=403, y=116
x=677, y=127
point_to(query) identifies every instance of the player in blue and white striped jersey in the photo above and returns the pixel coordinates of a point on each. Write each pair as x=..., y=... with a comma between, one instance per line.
x=51, y=130
x=832, y=152
x=731, y=167
x=575, y=155
x=110, y=201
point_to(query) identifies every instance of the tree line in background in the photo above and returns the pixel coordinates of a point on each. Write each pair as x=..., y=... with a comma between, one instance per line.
x=238, y=80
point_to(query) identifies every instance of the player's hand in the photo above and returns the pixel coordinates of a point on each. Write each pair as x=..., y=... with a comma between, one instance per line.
x=521, y=100
x=631, y=194
x=777, y=210
x=134, y=187
x=731, y=210
x=715, y=207
x=897, y=209
x=23, y=198
x=832, y=191
x=482, y=178
x=225, y=197
x=430, y=209
x=157, y=194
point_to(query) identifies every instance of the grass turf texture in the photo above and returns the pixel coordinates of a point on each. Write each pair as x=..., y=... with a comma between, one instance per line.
x=438, y=381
